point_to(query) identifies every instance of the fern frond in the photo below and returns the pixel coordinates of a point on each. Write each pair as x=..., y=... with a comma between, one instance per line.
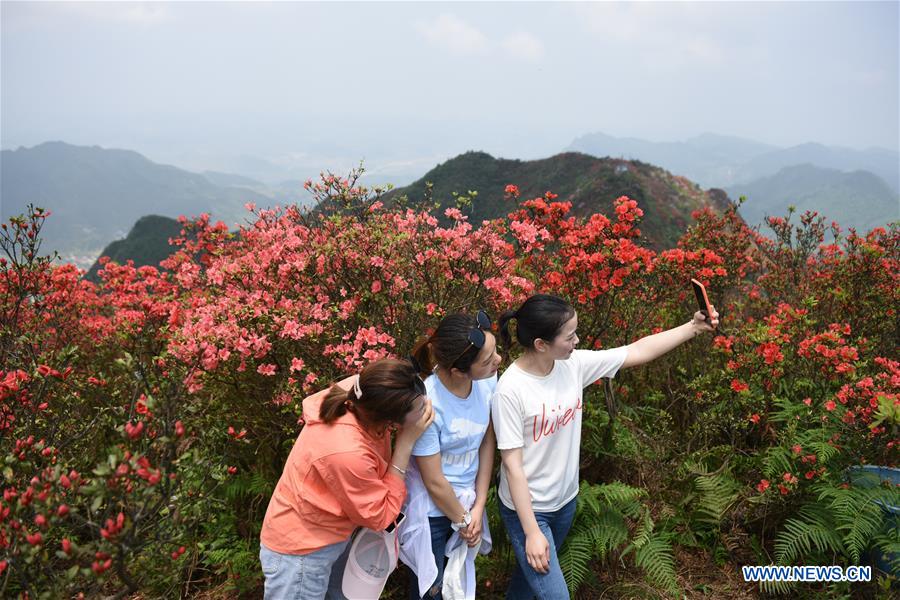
x=717, y=493
x=575, y=558
x=857, y=514
x=814, y=530
x=782, y=588
x=609, y=531
x=776, y=462
x=657, y=560
x=824, y=451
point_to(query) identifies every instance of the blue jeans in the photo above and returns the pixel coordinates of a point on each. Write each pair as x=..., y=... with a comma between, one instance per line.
x=440, y=532
x=312, y=576
x=526, y=583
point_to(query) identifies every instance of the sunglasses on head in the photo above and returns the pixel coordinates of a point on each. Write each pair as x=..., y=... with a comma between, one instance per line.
x=476, y=335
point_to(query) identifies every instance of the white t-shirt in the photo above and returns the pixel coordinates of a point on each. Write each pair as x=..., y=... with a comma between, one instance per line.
x=542, y=415
x=458, y=428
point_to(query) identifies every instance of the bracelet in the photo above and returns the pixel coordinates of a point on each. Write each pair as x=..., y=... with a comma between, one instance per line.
x=399, y=470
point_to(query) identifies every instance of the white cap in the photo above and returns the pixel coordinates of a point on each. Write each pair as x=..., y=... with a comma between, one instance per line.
x=373, y=556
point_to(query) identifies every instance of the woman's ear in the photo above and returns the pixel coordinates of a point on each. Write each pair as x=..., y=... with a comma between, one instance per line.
x=540, y=345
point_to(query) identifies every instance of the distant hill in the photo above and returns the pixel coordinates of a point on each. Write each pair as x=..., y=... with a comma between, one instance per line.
x=96, y=194
x=883, y=163
x=710, y=160
x=591, y=184
x=722, y=161
x=146, y=244
x=858, y=199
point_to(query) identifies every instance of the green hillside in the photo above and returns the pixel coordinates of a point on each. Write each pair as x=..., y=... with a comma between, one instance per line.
x=858, y=199
x=146, y=244
x=591, y=184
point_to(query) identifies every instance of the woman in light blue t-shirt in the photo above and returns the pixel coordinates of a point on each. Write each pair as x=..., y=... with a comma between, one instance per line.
x=459, y=363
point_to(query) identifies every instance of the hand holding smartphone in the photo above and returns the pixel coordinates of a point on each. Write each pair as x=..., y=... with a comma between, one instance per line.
x=702, y=299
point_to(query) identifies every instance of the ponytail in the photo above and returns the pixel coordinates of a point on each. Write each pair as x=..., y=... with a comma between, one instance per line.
x=335, y=403
x=422, y=353
x=503, y=328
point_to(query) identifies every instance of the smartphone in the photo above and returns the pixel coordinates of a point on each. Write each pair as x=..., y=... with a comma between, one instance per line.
x=702, y=298
x=391, y=527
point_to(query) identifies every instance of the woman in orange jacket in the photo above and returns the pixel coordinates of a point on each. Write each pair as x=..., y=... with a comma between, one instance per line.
x=341, y=475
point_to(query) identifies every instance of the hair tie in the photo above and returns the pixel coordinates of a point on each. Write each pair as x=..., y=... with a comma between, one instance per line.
x=356, y=389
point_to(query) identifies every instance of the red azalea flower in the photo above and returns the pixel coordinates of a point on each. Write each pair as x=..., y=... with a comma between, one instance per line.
x=739, y=386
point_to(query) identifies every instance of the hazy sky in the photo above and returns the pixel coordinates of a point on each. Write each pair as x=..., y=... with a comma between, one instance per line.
x=404, y=85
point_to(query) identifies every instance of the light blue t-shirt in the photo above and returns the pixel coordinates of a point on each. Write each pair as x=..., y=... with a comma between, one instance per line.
x=458, y=428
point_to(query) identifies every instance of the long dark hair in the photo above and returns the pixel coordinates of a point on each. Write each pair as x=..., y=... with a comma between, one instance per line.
x=448, y=346
x=540, y=317
x=388, y=389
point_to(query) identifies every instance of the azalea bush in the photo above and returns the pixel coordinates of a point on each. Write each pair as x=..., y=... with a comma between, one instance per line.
x=146, y=419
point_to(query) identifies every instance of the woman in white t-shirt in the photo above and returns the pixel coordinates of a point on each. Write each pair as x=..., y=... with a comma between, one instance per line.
x=455, y=455
x=536, y=413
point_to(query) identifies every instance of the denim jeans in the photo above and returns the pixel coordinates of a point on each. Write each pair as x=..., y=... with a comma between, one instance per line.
x=312, y=576
x=526, y=583
x=440, y=532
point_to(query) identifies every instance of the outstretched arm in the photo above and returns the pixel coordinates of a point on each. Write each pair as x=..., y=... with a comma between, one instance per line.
x=653, y=346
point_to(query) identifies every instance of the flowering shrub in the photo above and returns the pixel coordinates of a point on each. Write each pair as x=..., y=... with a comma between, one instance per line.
x=146, y=418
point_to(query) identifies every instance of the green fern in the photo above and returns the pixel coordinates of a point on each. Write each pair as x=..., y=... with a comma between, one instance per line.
x=600, y=526
x=609, y=531
x=249, y=484
x=840, y=521
x=716, y=494
x=786, y=411
x=858, y=517
x=773, y=587
x=576, y=557
x=813, y=531
x=658, y=562
x=824, y=451
x=653, y=554
x=776, y=462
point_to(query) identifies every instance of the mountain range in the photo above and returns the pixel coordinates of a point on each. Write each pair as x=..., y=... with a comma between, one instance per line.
x=856, y=188
x=95, y=195
x=722, y=161
x=591, y=184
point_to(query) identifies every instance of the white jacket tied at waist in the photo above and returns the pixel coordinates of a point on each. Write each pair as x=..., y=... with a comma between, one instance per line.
x=415, y=542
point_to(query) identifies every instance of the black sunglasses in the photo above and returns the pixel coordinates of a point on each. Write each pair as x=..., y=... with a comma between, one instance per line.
x=476, y=336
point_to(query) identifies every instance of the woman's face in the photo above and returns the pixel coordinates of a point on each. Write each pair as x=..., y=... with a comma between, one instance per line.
x=565, y=341
x=488, y=360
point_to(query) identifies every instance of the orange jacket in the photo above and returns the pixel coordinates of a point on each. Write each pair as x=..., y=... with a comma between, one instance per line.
x=335, y=480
